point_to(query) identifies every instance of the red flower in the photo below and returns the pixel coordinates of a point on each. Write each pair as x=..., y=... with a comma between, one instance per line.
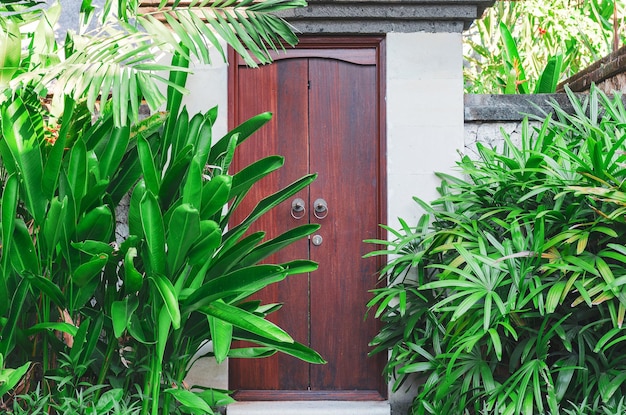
x=542, y=31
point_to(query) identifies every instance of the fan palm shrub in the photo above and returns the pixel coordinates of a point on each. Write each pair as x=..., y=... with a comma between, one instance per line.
x=507, y=296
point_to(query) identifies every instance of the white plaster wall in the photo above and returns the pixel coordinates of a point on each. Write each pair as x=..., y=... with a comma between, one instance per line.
x=424, y=116
x=424, y=126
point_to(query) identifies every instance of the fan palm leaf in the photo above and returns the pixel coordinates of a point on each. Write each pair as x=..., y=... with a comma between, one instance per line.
x=120, y=59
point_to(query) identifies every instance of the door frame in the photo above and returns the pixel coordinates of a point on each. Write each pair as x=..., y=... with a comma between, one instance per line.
x=325, y=43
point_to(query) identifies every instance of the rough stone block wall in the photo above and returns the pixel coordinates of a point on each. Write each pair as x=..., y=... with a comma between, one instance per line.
x=489, y=117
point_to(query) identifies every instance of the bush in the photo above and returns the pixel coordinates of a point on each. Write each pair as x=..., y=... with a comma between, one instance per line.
x=508, y=295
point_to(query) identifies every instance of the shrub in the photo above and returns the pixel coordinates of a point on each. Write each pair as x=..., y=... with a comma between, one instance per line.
x=508, y=295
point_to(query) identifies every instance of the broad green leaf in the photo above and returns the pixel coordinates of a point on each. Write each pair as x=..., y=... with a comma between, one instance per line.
x=215, y=397
x=299, y=266
x=167, y=293
x=7, y=333
x=121, y=313
x=293, y=349
x=56, y=326
x=190, y=400
x=221, y=335
x=250, y=279
x=89, y=270
x=93, y=247
x=209, y=240
x=23, y=253
x=96, y=225
x=77, y=172
x=192, y=189
x=549, y=78
x=246, y=321
x=174, y=176
x=230, y=258
x=53, y=226
x=133, y=280
x=203, y=142
x=183, y=232
x=10, y=197
x=114, y=151
x=251, y=352
x=244, y=131
x=248, y=176
x=9, y=378
x=134, y=215
x=80, y=339
x=154, y=232
x=513, y=59
x=276, y=244
x=109, y=400
x=91, y=341
x=20, y=153
x=150, y=175
x=215, y=194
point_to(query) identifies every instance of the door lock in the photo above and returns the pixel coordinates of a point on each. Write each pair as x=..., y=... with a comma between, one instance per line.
x=317, y=240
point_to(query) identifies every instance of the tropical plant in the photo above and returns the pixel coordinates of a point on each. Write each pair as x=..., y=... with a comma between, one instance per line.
x=111, y=402
x=507, y=297
x=120, y=56
x=102, y=313
x=529, y=46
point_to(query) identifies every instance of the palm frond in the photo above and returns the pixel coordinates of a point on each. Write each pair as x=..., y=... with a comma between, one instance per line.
x=120, y=59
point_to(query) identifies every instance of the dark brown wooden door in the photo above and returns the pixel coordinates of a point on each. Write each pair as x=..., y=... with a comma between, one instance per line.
x=326, y=105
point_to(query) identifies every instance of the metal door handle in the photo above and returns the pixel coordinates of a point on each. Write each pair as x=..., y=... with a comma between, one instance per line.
x=320, y=208
x=298, y=208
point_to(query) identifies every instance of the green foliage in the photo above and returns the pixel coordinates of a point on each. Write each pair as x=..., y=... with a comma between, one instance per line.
x=120, y=54
x=85, y=402
x=529, y=46
x=508, y=296
x=114, y=321
x=133, y=311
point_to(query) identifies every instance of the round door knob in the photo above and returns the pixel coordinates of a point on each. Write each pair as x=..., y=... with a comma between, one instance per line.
x=317, y=240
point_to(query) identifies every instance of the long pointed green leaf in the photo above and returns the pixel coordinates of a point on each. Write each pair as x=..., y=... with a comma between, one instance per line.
x=247, y=321
x=251, y=279
x=114, y=151
x=221, y=335
x=244, y=131
x=183, y=232
x=20, y=147
x=154, y=232
x=294, y=349
x=167, y=293
x=121, y=313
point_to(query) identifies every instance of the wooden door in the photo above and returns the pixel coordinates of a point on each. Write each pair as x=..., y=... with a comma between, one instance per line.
x=327, y=120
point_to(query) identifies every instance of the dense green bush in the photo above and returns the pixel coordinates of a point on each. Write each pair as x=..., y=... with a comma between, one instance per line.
x=103, y=322
x=508, y=295
x=528, y=46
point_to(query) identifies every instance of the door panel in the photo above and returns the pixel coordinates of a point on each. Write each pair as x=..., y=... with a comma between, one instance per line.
x=343, y=134
x=326, y=120
x=258, y=93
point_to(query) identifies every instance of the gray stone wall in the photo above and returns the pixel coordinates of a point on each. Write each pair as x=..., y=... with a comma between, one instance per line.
x=488, y=117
